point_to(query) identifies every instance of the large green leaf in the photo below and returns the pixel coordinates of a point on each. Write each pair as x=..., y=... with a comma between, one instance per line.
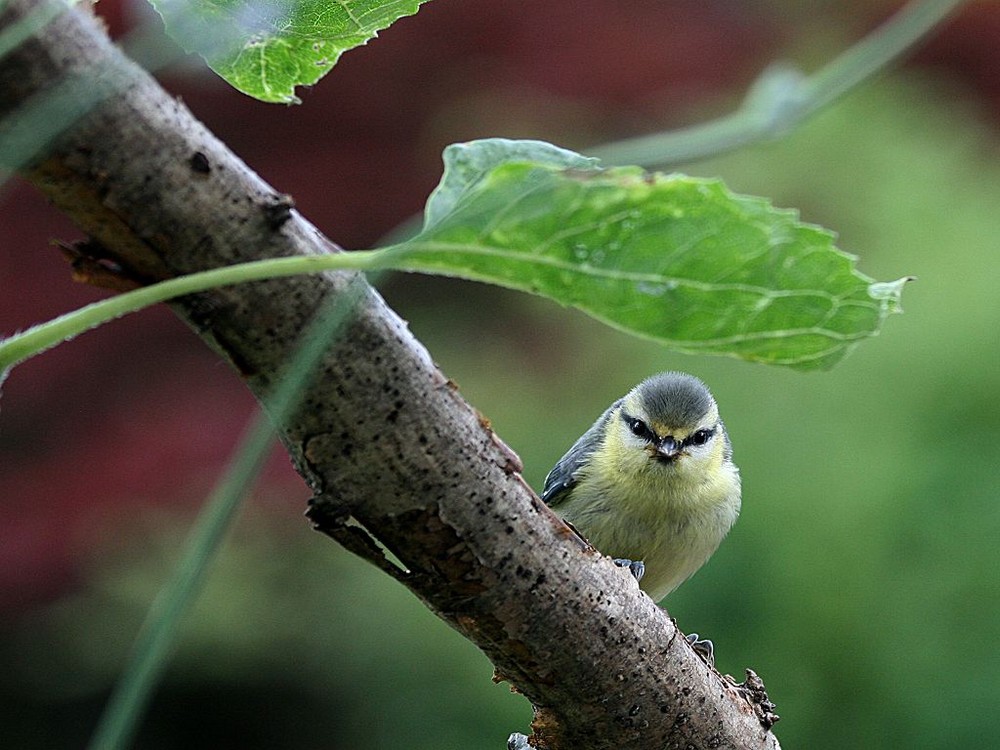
x=674, y=258
x=265, y=48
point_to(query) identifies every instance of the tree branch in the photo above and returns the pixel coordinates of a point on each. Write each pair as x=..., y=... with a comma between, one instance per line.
x=396, y=459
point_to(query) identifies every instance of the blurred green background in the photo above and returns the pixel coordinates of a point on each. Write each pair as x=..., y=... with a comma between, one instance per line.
x=861, y=581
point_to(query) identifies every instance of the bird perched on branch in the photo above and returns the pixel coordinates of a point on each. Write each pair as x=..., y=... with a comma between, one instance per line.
x=652, y=483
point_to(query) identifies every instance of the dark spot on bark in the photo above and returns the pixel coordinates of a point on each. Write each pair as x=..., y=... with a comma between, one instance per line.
x=199, y=163
x=278, y=210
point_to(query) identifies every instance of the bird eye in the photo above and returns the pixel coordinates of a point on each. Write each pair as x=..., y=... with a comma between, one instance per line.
x=639, y=428
x=701, y=437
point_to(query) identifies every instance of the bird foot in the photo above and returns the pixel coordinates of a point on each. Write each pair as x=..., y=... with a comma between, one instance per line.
x=636, y=567
x=703, y=647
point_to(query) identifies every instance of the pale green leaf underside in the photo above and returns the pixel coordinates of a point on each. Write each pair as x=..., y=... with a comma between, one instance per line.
x=266, y=49
x=677, y=259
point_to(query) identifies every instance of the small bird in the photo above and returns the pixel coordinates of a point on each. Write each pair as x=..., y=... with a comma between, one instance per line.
x=652, y=483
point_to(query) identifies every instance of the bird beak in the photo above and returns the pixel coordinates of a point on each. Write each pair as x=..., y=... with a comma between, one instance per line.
x=668, y=448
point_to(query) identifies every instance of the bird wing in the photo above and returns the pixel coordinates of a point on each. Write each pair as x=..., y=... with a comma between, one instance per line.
x=563, y=477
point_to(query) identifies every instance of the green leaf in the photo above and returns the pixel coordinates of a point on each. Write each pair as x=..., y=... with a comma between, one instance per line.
x=465, y=164
x=677, y=259
x=267, y=48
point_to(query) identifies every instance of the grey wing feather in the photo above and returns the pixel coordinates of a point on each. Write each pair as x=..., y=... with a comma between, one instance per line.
x=563, y=476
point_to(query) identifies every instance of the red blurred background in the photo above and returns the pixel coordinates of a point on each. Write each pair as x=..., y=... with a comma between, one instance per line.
x=128, y=426
x=359, y=155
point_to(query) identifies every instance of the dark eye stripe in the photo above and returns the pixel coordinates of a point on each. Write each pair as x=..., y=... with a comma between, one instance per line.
x=700, y=437
x=638, y=428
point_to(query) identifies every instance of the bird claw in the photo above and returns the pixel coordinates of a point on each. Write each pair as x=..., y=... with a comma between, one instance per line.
x=636, y=567
x=703, y=647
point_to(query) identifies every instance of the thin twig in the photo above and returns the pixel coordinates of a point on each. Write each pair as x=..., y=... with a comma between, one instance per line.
x=782, y=97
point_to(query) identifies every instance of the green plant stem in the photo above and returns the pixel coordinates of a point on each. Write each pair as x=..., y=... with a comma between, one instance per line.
x=37, y=339
x=159, y=630
x=781, y=99
x=13, y=35
x=877, y=51
x=158, y=634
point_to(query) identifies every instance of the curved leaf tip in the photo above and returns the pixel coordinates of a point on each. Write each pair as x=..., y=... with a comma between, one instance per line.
x=466, y=164
x=890, y=293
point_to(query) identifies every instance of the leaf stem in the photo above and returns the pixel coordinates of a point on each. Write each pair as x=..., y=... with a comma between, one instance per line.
x=782, y=98
x=37, y=339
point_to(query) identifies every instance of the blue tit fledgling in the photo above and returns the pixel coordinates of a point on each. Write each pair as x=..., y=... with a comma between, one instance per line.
x=653, y=481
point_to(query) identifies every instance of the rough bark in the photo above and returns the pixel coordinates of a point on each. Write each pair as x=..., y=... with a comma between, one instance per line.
x=395, y=457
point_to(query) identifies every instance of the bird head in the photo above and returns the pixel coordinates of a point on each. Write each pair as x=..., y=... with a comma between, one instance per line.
x=670, y=421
